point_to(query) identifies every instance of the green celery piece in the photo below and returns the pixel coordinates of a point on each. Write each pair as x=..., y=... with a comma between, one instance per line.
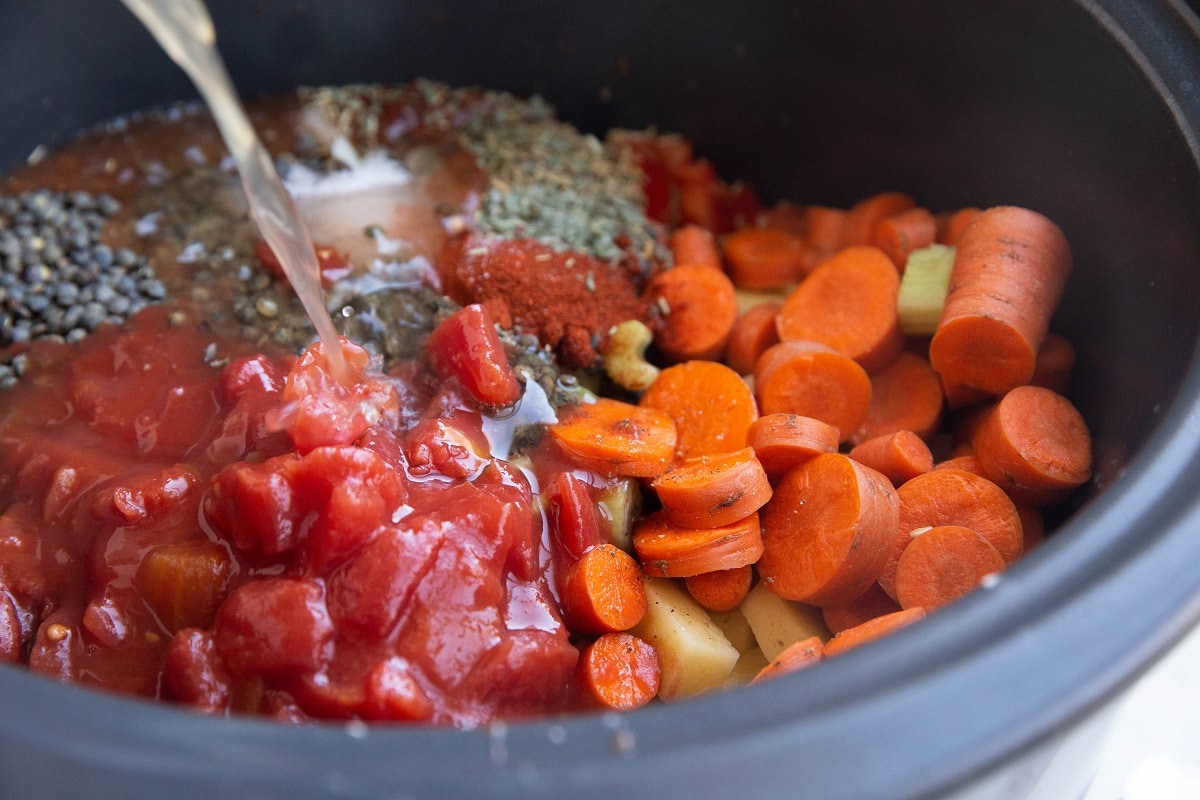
x=923, y=289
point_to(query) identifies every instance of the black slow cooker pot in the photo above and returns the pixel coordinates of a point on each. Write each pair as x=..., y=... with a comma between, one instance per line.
x=1085, y=110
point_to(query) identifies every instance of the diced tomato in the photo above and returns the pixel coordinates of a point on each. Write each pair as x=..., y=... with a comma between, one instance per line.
x=436, y=446
x=392, y=692
x=573, y=524
x=192, y=673
x=273, y=625
x=466, y=346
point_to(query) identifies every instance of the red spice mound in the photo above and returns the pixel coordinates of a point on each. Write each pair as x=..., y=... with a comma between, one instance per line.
x=568, y=300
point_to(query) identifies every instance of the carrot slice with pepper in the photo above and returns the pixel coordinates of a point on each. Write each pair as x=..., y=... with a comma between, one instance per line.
x=1035, y=445
x=1009, y=273
x=813, y=380
x=905, y=395
x=619, y=671
x=900, y=456
x=872, y=630
x=864, y=216
x=827, y=530
x=796, y=656
x=943, y=564
x=712, y=406
x=667, y=550
x=603, y=591
x=899, y=235
x=872, y=603
x=721, y=590
x=691, y=244
x=713, y=490
x=753, y=332
x=953, y=497
x=627, y=439
x=764, y=258
x=784, y=441
x=697, y=307
x=848, y=303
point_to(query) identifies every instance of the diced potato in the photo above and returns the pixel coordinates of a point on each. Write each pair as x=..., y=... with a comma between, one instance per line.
x=694, y=655
x=746, y=668
x=619, y=505
x=777, y=622
x=736, y=629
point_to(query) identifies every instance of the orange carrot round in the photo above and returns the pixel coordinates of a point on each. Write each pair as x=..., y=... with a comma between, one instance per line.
x=827, y=530
x=670, y=551
x=966, y=462
x=712, y=407
x=953, y=497
x=763, y=258
x=713, y=490
x=619, y=671
x=1055, y=362
x=1033, y=525
x=784, y=441
x=942, y=564
x=871, y=630
x=900, y=234
x=825, y=227
x=900, y=456
x=813, y=380
x=864, y=216
x=697, y=306
x=753, y=332
x=951, y=226
x=691, y=244
x=630, y=440
x=1035, y=445
x=872, y=603
x=721, y=590
x=603, y=591
x=796, y=656
x=1009, y=273
x=848, y=303
x=905, y=395
x=784, y=216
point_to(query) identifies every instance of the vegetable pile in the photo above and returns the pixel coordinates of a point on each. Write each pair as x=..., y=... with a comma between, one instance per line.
x=840, y=420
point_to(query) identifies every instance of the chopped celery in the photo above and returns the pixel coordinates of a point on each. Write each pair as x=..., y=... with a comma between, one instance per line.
x=923, y=289
x=619, y=504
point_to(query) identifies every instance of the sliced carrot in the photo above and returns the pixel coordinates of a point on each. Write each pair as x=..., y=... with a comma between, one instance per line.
x=900, y=234
x=905, y=395
x=864, y=216
x=721, y=590
x=764, y=258
x=825, y=227
x=1036, y=445
x=966, y=462
x=813, y=380
x=951, y=226
x=943, y=564
x=796, y=656
x=670, y=551
x=1055, y=362
x=875, y=602
x=712, y=407
x=848, y=303
x=953, y=497
x=784, y=441
x=827, y=530
x=872, y=630
x=1033, y=525
x=1009, y=273
x=603, y=592
x=713, y=490
x=753, y=332
x=900, y=456
x=629, y=440
x=697, y=307
x=691, y=244
x=784, y=216
x=619, y=671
